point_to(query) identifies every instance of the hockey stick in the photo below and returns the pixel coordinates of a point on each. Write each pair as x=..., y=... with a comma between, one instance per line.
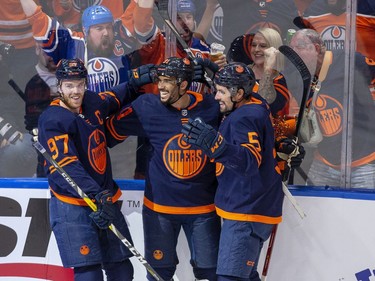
x=17, y=89
x=93, y=207
x=306, y=79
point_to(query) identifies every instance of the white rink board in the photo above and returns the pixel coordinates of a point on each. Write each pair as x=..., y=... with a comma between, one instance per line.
x=335, y=242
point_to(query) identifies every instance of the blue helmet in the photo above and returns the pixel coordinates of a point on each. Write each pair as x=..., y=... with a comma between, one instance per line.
x=185, y=6
x=95, y=15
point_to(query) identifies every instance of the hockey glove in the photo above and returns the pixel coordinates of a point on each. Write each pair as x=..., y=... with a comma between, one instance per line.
x=145, y=74
x=296, y=160
x=198, y=133
x=200, y=66
x=290, y=154
x=106, y=212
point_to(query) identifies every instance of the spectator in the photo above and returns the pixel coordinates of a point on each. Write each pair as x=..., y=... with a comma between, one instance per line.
x=329, y=19
x=180, y=180
x=72, y=131
x=267, y=66
x=249, y=196
x=102, y=45
x=39, y=92
x=16, y=30
x=328, y=103
x=154, y=52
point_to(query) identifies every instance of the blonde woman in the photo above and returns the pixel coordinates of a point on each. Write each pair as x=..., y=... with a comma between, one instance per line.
x=267, y=66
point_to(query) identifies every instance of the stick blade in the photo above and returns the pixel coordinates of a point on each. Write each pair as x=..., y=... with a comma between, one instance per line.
x=297, y=61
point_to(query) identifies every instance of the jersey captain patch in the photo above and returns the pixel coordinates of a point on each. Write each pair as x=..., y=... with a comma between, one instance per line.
x=102, y=74
x=97, y=152
x=181, y=159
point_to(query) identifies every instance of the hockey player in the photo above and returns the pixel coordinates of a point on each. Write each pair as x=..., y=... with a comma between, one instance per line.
x=101, y=46
x=72, y=131
x=155, y=52
x=180, y=180
x=249, y=195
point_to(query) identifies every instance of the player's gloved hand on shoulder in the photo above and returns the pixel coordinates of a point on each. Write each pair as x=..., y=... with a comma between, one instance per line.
x=140, y=76
x=200, y=66
x=106, y=211
x=203, y=135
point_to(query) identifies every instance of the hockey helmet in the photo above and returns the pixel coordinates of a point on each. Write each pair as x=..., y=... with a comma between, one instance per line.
x=185, y=6
x=181, y=68
x=236, y=75
x=71, y=69
x=95, y=15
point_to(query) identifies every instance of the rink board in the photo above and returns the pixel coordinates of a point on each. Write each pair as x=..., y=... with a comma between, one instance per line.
x=335, y=242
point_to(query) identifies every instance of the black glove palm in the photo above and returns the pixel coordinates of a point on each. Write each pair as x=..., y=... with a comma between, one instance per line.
x=145, y=74
x=106, y=212
x=198, y=133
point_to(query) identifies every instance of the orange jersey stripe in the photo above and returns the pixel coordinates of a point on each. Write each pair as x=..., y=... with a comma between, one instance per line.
x=248, y=217
x=80, y=201
x=179, y=210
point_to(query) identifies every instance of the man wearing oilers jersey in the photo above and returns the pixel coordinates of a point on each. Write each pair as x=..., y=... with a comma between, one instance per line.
x=72, y=131
x=102, y=45
x=333, y=153
x=155, y=50
x=180, y=180
x=249, y=196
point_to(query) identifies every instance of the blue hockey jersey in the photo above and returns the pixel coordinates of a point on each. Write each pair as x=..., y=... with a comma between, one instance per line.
x=249, y=180
x=180, y=178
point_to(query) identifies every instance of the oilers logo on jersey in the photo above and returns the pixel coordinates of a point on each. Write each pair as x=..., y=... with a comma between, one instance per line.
x=181, y=159
x=97, y=152
x=330, y=112
x=102, y=74
x=334, y=37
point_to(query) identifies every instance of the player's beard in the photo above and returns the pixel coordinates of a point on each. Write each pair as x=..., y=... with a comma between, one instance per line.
x=70, y=103
x=103, y=49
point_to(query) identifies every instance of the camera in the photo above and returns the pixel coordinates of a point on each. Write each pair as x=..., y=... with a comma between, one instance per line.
x=6, y=49
x=8, y=132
